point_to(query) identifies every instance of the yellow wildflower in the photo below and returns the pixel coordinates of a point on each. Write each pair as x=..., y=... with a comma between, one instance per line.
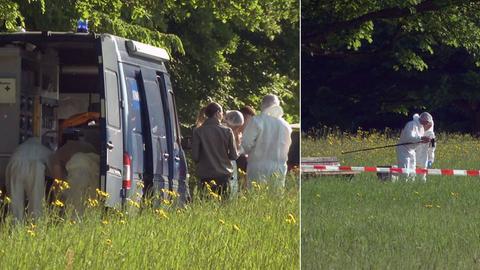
x=221, y=221
x=92, y=202
x=173, y=194
x=166, y=202
x=108, y=242
x=61, y=184
x=161, y=213
x=236, y=228
x=256, y=185
x=58, y=203
x=215, y=195
x=291, y=219
x=105, y=222
x=7, y=200
x=31, y=232
x=133, y=203
x=102, y=194
x=209, y=188
x=428, y=205
x=241, y=172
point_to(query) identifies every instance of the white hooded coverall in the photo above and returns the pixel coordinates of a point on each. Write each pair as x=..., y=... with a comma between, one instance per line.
x=25, y=174
x=266, y=140
x=406, y=154
x=425, y=153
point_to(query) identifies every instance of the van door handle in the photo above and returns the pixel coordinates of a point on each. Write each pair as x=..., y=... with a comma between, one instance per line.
x=109, y=145
x=177, y=159
x=166, y=155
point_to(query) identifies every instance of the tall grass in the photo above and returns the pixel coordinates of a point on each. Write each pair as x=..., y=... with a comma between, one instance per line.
x=259, y=230
x=362, y=223
x=453, y=150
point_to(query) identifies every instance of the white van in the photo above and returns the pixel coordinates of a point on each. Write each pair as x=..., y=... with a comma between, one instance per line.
x=46, y=77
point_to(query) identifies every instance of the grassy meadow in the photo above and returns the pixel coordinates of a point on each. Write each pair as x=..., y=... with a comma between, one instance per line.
x=258, y=230
x=362, y=223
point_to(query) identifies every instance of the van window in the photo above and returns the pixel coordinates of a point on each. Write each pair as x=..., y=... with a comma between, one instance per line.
x=135, y=115
x=176, y=125
x=113, y=115
x=169, y=104
x=135, y=125
x=156, y=117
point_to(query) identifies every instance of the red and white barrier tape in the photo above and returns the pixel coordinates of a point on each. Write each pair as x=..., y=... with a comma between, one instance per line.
x=309, y=168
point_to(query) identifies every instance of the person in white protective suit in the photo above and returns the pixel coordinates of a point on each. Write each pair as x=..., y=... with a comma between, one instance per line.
x=266, y=140
x=234, y=120
x=83, y=174
x=25, y=174
x=425, y=152
x=413, y=132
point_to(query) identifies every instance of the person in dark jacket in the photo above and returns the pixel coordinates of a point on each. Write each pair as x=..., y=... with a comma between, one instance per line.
x=213, y=148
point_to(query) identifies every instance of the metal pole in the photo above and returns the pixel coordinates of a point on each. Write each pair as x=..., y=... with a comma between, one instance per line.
x=379, y=147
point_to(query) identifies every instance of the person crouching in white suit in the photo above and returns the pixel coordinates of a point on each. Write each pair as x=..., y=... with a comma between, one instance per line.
x=414, y=133
x=25, y=174
x=425, y=152
x=83, y=174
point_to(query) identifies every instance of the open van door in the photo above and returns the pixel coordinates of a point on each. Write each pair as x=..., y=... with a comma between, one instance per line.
x=178, y=164
x=157, y=124
x=112, y=145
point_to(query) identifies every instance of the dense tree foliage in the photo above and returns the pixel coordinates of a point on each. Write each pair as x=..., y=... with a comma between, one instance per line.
x=374, y=63
x=232, y=52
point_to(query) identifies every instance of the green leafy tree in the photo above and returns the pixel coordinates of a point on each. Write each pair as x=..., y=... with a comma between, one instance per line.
x=232, y=52
x=414, y=27
x=374, y=63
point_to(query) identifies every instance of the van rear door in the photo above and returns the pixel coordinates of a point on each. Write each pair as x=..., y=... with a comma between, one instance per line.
x=111, y=98
x=177, y=162
x=159, y=131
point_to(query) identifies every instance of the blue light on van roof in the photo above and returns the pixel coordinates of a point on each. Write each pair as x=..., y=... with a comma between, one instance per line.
x=82, y=26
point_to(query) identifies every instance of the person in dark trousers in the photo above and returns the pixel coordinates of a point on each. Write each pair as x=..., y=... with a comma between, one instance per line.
x=213, y=148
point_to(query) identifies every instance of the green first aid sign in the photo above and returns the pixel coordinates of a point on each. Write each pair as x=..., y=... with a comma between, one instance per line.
x=7, y=90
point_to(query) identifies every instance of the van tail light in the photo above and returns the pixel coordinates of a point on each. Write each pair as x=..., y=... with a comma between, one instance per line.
x=127, y=171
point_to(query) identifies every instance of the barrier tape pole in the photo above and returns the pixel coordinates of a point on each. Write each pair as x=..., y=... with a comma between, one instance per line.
x=306, y=168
